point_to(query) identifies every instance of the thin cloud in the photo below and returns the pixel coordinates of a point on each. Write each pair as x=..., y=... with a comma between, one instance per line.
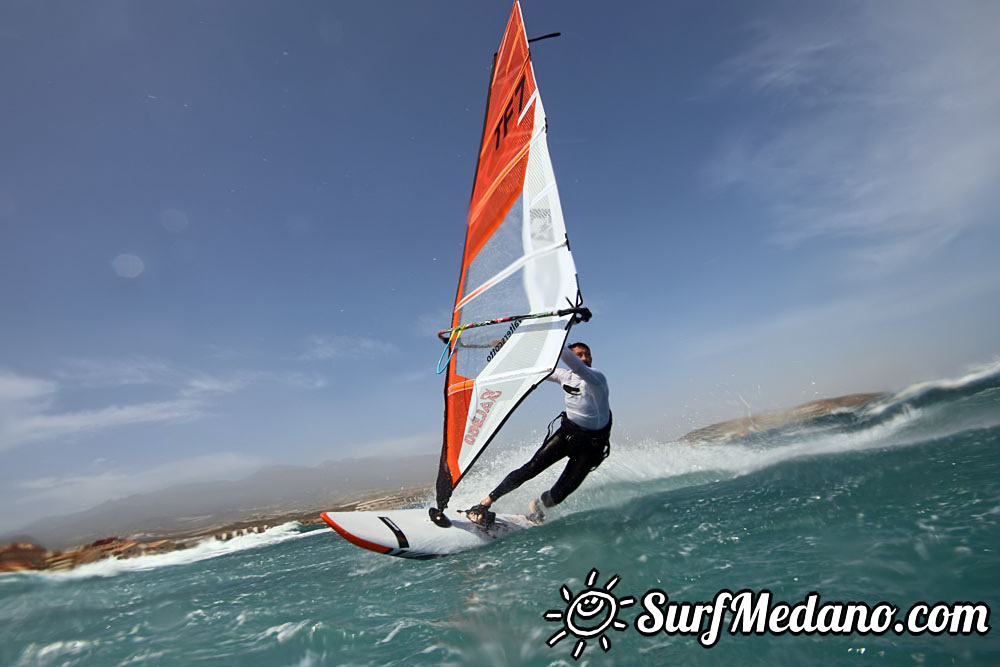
x=424, y=443
x=305, y=381
x=229, y=353
x=429, y=323
x=205, y=384
x=29, y=406
x=328, y=348
x=875, y=309
x=885, y=134
x=17, y=388
x=28, y=423
x=114, y=372
x=414, y=377
x=86, y=490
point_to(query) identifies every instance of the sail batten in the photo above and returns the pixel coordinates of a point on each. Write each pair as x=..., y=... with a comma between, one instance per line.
x=510, y=269
x=516, y=260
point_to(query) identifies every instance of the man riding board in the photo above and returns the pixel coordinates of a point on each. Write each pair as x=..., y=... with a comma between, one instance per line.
x=583, y=437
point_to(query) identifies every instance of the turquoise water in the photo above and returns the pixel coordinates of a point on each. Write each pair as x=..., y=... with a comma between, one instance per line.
x=897, y=503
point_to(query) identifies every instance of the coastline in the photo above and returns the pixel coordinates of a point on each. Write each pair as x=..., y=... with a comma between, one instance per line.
x=26, y=556
x=21, y=556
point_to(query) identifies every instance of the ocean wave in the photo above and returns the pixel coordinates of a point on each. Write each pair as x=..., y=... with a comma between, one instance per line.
x=209, y=548
x=916, y=414
x=978, y=379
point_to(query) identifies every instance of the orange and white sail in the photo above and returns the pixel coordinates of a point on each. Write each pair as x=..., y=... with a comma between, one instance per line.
x=516, y=267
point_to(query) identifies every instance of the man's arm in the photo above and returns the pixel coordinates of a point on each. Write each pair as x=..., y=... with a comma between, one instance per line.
x=558, y=375
x=577, y=366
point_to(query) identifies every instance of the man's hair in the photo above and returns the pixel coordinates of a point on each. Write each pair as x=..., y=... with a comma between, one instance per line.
x=579, y=344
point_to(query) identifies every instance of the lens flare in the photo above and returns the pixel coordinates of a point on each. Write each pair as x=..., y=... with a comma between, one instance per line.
x=128, y=266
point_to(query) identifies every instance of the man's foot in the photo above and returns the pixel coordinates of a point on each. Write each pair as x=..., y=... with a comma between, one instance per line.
x=535, y=512
x=481, y=515
x=438, y=517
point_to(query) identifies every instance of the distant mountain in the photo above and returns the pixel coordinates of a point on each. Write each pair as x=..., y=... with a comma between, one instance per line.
x=193, y=508
x=735, y=428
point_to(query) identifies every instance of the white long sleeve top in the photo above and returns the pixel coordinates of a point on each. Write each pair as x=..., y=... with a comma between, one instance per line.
x=585, y=390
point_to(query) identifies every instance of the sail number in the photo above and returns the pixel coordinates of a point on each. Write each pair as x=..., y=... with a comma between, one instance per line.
x=502, y=125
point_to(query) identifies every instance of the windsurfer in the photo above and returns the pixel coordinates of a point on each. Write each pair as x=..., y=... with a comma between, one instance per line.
x=583, y=437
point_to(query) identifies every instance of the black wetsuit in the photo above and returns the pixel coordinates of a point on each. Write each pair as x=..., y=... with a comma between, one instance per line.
x=586, y=393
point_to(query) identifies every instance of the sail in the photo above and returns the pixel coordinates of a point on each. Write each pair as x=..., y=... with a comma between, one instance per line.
x=516, y=262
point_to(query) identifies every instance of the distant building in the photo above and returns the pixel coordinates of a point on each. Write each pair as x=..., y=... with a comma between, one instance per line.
x=21, y=556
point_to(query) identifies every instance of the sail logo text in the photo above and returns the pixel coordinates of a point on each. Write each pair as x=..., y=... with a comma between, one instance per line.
x=500, y=343
x=478, y=418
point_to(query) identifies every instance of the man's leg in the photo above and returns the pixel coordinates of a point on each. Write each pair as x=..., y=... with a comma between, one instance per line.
x=577, y=469
x=553, y=449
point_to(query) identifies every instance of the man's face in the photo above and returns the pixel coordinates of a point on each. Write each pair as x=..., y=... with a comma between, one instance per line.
x=583, y=353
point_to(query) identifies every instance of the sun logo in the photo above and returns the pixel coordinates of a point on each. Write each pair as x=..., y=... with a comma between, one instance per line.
x=589, y=614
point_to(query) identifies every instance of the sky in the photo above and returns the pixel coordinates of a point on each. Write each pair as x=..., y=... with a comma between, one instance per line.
x=229, y=231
